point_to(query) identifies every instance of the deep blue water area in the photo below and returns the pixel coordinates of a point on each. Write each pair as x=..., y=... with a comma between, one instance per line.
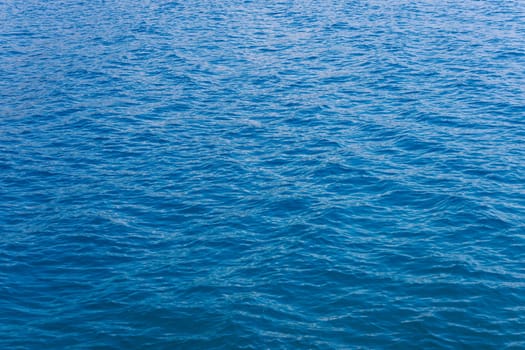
x=272, y=174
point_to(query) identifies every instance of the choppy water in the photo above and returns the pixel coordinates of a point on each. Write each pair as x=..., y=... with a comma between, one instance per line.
x=262, y=174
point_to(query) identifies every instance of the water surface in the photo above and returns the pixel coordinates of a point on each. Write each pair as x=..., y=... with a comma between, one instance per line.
x=262, y=174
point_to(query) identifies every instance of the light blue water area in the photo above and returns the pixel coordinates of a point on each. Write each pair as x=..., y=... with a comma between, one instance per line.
x=262, y=174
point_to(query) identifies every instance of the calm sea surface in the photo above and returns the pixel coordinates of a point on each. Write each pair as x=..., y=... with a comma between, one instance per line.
x=262, y=174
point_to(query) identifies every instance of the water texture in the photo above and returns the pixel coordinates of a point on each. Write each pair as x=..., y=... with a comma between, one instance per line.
x=262, y=174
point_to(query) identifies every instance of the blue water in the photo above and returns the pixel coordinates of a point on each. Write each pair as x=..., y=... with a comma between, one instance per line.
x=262, y=174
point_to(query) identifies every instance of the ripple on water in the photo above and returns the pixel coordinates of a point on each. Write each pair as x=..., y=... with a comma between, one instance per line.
x=262, y=175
